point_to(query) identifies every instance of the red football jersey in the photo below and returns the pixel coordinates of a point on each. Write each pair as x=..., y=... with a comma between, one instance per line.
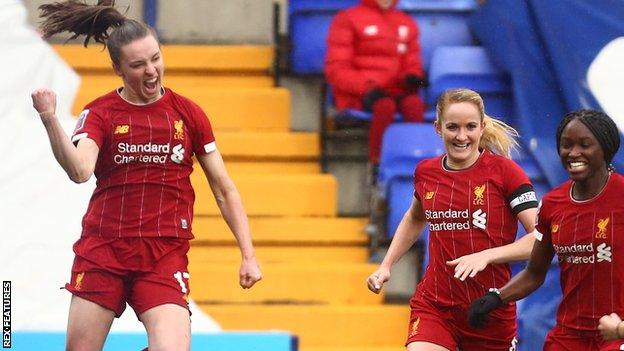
x=583, y=235
x=468, y=211
x=143, y=187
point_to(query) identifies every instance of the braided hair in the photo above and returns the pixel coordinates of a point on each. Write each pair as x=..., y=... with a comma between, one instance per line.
x=93, y=21
x=600, y=125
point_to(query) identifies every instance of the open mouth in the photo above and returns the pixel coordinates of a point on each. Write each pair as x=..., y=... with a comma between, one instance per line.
x=151, y=84
x=461, y=146
x=577, y=165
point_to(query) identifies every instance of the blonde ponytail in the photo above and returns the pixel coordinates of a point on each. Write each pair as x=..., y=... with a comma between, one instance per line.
x=498, y=137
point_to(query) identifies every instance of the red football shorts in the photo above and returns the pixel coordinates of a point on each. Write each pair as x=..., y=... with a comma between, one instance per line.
x=564, y=339
x=143, y=272
x=448, y=327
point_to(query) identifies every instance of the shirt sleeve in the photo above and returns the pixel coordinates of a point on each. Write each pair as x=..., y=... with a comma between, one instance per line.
x=203, y=136
x=543, y=222
x=518, y=189
x=89, y=125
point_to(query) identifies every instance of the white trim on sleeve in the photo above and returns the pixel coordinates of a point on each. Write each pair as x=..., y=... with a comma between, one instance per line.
x=77, y=137
x=539, y=236
x=210, y=147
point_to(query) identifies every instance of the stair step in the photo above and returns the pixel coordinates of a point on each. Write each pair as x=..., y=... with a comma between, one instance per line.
x=244, y=109
x=271, y=167
x=274, y=195
x=224, y=58
x=298, y=231
x=312, y=283
x=320, y=325
x=268, y=145
x=210, y=255
x=228, y=109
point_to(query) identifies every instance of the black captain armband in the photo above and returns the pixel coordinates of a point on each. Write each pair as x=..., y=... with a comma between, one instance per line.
x=524, y=197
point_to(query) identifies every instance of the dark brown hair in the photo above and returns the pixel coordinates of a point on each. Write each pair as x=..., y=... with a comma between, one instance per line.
x=93, y=21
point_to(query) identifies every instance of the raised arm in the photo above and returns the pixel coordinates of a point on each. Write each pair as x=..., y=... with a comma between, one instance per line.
x=470, y=265
x=231, y=207
x=77, y=161
x=405, y=236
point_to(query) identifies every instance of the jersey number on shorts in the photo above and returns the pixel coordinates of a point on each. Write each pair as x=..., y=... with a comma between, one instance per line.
x=179, y=276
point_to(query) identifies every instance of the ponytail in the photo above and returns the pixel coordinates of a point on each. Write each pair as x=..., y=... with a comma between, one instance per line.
x=498, y=137
x=80, y=19
x=93, y=21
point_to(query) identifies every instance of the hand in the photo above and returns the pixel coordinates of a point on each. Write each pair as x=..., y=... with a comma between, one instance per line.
x=470, y=265
x=376, y=280
x=480, y=309
x=44, y=101
x=609, y=326
x=371, y=96
x=249, y=273
x=414, y=82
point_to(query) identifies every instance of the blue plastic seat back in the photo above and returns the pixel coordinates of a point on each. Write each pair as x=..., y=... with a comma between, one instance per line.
x=471, y=67
x=400, y=194
x=404, y=145
x=308, y=32
x=441, y=23
x=308, y=25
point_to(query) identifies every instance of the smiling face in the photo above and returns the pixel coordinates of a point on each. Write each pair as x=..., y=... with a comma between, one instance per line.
x=581, y=153
x=461, y=128
x=141, y=67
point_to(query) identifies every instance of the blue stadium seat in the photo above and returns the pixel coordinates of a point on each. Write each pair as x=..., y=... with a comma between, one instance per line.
x=441, y=23
x=308, y=22
x=470, y=67
x=403, y=146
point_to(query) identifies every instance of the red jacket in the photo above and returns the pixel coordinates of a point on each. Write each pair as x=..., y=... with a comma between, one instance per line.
x=369, y=47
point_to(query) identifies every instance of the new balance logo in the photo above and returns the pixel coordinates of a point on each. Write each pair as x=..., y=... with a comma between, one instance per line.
x=604, y=252
x=479, y=219
x=178, y=154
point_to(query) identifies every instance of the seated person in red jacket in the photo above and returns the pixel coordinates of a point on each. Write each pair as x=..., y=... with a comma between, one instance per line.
x=373, y=63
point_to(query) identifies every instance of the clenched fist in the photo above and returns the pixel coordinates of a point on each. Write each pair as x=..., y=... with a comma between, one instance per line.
x=44, y=101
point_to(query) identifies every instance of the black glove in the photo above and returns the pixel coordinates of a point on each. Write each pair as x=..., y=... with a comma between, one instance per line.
x=413, y=82
x=480, y=309
x=371, y=96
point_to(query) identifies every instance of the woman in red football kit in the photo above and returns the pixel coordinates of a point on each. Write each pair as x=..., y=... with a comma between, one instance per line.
x=580, y=222
x=139, y=141
x=471, y=198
